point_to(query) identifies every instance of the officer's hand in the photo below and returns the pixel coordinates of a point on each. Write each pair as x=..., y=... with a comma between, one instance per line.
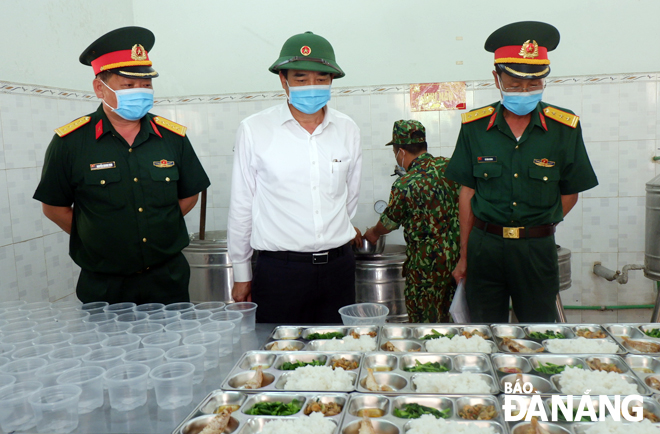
x=461, y=269
x=371, y=236
x=358, y=237
x=242, y=291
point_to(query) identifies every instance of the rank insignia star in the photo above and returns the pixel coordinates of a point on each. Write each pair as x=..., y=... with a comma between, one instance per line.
x=305, y=50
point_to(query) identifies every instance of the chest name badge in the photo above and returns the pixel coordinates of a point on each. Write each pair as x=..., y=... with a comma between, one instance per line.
x=543, y=162
x=163, y=163
x=486, y=159
x=101, y=166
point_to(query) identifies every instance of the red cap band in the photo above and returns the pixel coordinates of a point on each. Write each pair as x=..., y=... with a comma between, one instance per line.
x=528, y=53
x=120, y=59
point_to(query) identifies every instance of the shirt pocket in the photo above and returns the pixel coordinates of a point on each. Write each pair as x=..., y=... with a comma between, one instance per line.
x=164, y=187
x=339, y=173
x=104, y=189
x=544, y=186
x=487, y=175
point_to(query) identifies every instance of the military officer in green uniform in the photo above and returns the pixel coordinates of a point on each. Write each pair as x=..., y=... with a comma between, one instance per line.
x=425, y=203
x=521, y=163
x=120, y=180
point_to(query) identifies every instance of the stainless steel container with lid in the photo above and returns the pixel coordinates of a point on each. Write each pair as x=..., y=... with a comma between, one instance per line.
x=379, y=279
x=211, y=271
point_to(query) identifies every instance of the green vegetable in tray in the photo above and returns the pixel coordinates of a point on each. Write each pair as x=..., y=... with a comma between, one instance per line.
x=436, y=334
x=276, y=408
x=549, y=334
x=426, y=367
x=288, y=366
x=329, y=335
x=654, y=333
x=560, y=416
x=551, y=368
x=415, y=411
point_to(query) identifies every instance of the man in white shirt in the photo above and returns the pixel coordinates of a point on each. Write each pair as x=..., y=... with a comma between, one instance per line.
x=294, y=191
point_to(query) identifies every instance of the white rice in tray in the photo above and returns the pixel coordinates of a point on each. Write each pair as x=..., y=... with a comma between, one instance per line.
x=466, y=382
x=459, y=344
x=428, y=424
x=581, y=345
x=318, y=378
x=576, y=381
x=609, y=426
x=314, y=423
x=349, y=343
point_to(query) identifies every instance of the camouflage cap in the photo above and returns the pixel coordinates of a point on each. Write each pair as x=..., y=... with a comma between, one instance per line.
x=408, y=132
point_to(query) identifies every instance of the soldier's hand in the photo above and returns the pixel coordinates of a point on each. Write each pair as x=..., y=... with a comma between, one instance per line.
x=371, y=236
x=358, y=237
x=460, y=271
x=242, y=291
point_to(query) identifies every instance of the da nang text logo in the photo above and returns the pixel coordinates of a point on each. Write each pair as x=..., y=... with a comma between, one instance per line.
x=517, y=408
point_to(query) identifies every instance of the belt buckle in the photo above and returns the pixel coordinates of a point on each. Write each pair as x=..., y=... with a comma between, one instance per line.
x=512, y=233
x=320, y=258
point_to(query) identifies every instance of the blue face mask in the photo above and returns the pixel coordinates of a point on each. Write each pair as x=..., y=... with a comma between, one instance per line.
x=309, y=99
x=132, y=104
x=521, y=103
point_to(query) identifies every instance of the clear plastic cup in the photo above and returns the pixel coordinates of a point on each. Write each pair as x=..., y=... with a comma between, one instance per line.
x=4, y=360
x=67, y=305
x=164, y=341
x=48, y=374
x=363, y=314
x=120, y=308
x=152, y=357
x=48, y=328
x=35, y=306
x=147, y=329
x=58, y=340
x=12, y=304
x=44, y=316
x=150, y=308
x=14, y=315
x=184, y=328
x=90, y=339
x=72, y=352
x=33, y=351
x=164, y=317
x=101, y=318
x=90, y=380
x=125, y=341
x=173, y=384
x=21, y=339
x=80, y=328
x=73, y=316
x=249, y=311
x=7, y=349
x=94, y=307
x=107, y=357
x=127, y=386
x=212, y=306
x=23, y=369
x=194, y=354
x=234, y=317
x=6, y=380
x=210, y=341
x=181, y=307
x=16, y=413
x=133, y=318
x=19, y=326
x=203, y=316
x=224, y=329
x=114, y=328
x=56, y=408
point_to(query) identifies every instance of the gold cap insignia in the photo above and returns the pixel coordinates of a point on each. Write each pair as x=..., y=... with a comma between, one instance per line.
x=529, y=50
x=305, y=50
x=138, y=52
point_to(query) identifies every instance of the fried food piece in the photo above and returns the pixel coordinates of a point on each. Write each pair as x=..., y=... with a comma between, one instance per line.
x=478, y=412
x=588, y=334
x=468, y=334
x=356, y=335
x=366, y=427
x=645, y=347
x=218, y=424
x=371, y=412
x=521, y=382
x=346, y=365
x=373, y=385
x=516, y=347
x=511, y=370
x=653, y=382
x=256, y=380
x=535, y=428
x=329, y=409
x=597, y=365
x=276, y=347
x=651, y=416
x=389, y=346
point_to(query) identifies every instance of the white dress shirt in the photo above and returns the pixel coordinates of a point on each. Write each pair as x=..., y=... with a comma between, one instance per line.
x=292, y=190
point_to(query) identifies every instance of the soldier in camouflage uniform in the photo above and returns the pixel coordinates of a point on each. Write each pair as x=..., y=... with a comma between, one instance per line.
x=425, y=203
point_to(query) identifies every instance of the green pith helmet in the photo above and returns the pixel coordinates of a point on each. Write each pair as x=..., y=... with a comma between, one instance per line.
x=307, y=52
x=407, y=133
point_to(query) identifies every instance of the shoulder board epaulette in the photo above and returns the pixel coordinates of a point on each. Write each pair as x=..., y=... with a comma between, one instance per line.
x=169, y=125
x=477, y=114
x=72, y=126
x=561, y=116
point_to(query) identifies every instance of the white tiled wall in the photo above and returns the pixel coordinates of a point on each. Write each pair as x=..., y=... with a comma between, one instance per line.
x=620, y=121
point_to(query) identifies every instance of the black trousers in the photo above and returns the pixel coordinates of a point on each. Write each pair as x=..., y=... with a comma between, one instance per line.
x=165, y=283
x=290, y=292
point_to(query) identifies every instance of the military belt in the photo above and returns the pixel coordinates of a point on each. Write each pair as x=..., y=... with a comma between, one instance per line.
x=515, y=232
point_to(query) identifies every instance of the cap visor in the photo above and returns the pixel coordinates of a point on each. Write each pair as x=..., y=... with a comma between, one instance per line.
x=308, y=66
x=523, y=70
x=135, y=72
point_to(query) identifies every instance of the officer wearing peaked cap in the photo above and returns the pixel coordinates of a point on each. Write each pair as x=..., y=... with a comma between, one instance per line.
x=120, y=180
x=521, y=163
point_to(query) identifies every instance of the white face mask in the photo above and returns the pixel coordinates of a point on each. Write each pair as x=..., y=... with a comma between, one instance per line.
x=399, y=169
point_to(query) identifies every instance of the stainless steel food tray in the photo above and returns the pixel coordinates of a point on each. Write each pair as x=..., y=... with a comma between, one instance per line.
x=404, y=382
x=640, y=365
x=547, y=383
x=242, y=423
x=274, y=377
x=391, y=424
x=521, y=333
x=408, y=338
x=636, y=332
x=296, y=336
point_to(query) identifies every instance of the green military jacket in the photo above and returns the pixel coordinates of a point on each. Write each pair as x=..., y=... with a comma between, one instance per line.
x=520, y=182
x=126, y=214
x=425, y=203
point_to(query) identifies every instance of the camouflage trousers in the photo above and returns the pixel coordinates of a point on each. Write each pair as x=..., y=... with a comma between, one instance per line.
x=429, y=292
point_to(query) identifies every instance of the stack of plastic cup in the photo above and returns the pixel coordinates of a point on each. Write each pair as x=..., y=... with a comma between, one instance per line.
x=173, y=384
x=192, y=354
x=90, y=381
x=164, y=341
x=210, y=341
x=127, y=386
x=184, y=328
x=49, y=373
x=235, y=318
x=16, y=413
x=224, y=329
x=211, y=306
x=249, y=311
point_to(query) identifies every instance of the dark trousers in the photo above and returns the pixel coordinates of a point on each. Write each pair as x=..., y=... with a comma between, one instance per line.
x=526, y=270
x=164, y=283
x=289, y=292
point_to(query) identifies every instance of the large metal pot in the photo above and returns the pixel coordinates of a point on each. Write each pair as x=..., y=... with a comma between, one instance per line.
x=379, y=279
x=564, y=259
x=211, y=272
x=652, y=237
